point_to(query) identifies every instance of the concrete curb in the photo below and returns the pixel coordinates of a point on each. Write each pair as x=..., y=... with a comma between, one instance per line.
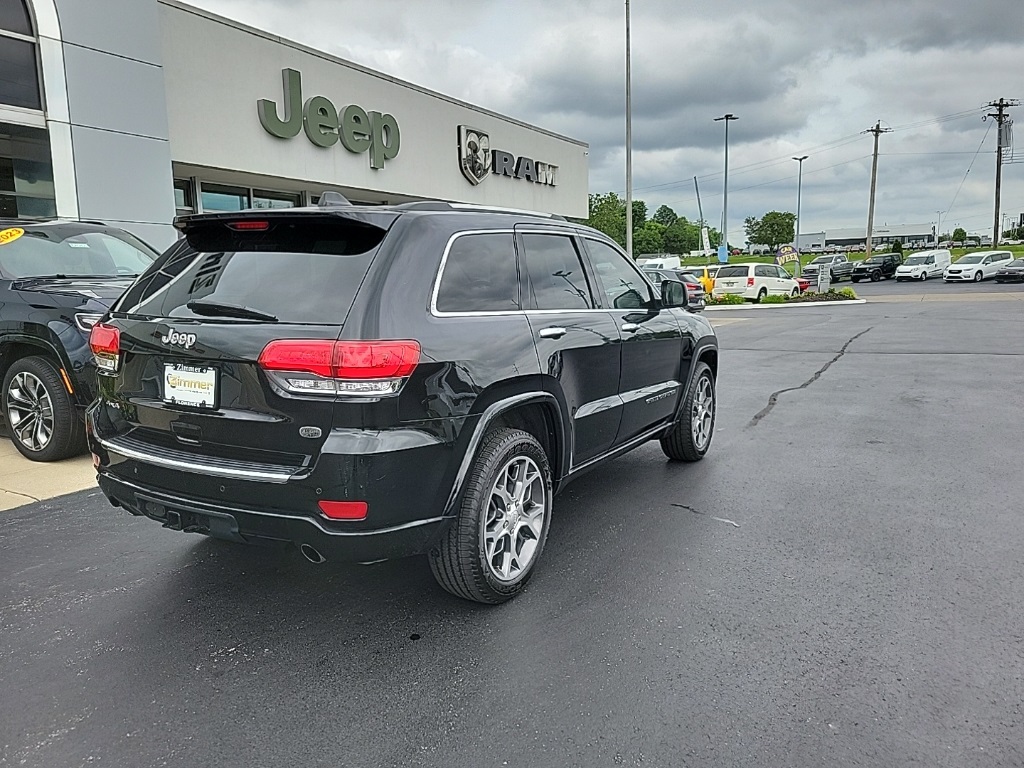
x=743, y=307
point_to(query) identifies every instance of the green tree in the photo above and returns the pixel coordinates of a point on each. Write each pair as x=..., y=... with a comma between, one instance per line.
x=897, y=247
x=608, y=215
x=773, y=229
x=639, y=214
x=959, y=234
x=650, y=238
x=665, y=216
x=682, y=237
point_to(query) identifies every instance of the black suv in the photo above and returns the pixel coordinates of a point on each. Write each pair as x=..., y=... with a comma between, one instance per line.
x=374, y=382
x=57, y=278
x=877, y=266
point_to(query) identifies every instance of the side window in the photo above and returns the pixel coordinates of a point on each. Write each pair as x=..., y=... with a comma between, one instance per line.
x=763, y=270
x=783, y=272
x=618, y=281
x=556, y=276
x=480, y=275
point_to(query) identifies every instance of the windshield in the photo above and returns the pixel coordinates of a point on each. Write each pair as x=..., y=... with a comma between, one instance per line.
x=73, y=250
x=971, y=259
x=874, y=260
x=822, y=260
x=1016, y=263
x=914, y=261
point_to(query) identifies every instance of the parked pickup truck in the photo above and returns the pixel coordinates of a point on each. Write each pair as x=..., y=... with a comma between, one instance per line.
x=836, y=263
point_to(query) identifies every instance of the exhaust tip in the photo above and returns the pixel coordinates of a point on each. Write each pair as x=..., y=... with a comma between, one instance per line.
x=311, y=554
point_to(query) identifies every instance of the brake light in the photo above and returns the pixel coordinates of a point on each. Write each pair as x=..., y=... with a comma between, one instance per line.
x=105, y=343
x=750, y=282
x=248, y=225
x=358, y=368
x=344, y=510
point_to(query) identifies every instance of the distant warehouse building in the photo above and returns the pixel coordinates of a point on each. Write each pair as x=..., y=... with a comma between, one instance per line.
x=909, y=235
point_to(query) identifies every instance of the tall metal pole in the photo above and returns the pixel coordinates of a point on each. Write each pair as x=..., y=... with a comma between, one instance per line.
x=938, y=229
x=799, y=195
x=629, y=143
x=725, y=190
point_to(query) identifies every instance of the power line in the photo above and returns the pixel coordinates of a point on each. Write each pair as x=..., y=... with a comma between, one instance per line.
x=977, y=152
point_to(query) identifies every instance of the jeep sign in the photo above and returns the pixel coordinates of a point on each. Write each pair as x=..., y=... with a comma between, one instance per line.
x=357, y=130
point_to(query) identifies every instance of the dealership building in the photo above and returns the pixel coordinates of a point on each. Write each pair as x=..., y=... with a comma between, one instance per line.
x=909, y=235
x=130, y=111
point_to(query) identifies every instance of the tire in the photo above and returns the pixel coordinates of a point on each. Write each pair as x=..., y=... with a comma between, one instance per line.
x=680, y=444
x=832, y=277
x=795, y=293
x=854, y=279
x=459, y=562
x=33, y=395
x=876, y=276
x=924, y=276
x=978, y=277
x=760, y=296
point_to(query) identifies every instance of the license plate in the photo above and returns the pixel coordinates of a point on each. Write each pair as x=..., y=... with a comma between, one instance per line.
x=194, y=385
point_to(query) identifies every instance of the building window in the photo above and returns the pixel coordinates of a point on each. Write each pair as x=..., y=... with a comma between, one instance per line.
x=26, y=175
x=263, y=199
x=217, y=197
x=184, y=197
x=19, y=73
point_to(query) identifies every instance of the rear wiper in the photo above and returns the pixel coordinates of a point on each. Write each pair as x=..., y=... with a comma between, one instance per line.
x=215, y=309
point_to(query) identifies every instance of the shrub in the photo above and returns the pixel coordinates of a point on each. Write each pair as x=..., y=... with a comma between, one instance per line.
x=775, y=299
x=725, y=298
x=844, y=294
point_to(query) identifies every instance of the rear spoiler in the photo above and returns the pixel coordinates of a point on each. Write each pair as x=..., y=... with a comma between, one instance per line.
x=366, y=217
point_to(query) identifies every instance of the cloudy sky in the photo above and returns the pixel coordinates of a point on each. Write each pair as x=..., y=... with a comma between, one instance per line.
x=804, y=76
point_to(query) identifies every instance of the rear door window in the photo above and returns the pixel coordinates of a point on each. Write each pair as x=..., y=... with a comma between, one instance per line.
x=556, y=278
x=304, y=272
x=480, y=275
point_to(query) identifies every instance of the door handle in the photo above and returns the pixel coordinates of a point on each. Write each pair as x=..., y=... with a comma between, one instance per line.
x=630, y=327
x=552, y=333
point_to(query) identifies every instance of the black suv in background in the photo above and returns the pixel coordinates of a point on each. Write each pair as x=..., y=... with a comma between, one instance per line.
x=57, y=278
x=370, y=383
x=876, y=266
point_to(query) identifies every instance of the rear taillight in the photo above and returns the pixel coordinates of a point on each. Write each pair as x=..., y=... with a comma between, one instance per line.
x=105, y=343
x=750, y=282
x=344, y=510
x=345, y=368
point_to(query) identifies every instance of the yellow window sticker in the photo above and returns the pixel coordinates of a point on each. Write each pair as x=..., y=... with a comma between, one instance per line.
x=10, y=235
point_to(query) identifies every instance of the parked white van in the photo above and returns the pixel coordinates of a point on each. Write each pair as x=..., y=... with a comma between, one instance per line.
x=663, y=262
x=923, y=265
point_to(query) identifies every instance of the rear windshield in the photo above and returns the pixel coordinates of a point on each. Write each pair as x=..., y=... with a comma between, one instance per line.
x=305, y=273
x=732, y=272
x=71, y=250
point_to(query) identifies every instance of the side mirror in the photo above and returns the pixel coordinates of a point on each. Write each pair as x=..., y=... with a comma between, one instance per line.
x=673, y=294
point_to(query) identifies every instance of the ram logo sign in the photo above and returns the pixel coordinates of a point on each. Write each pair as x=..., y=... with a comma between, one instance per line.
x=477, y=161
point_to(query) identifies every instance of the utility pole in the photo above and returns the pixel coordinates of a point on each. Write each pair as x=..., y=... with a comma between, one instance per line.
x=878, y=130
x=1001, y=117
x=629, y=143
x=938, y=229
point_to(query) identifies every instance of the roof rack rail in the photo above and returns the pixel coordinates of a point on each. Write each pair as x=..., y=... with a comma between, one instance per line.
x=439, y=205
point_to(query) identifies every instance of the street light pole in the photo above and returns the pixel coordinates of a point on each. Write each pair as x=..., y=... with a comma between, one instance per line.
x=938, y=229
x=725, y=191
x=796, y=226
x=629, y=143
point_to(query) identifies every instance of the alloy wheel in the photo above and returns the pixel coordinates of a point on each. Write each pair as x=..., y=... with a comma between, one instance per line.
x=703, y=414
x=30, y=411
x=516, y=509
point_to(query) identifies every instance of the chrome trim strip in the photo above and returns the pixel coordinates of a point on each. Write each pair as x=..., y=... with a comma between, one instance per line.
x=604, y=403
x=195, y=467
x=162, y=497
x=620, y=449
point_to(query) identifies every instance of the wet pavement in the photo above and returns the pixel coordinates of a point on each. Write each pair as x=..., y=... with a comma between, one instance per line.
x=838, y=583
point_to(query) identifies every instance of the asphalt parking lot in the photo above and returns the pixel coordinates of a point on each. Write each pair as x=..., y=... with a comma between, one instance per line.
x=838, y=584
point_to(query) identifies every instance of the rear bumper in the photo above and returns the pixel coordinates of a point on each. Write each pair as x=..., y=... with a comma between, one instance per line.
x=251, y=525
